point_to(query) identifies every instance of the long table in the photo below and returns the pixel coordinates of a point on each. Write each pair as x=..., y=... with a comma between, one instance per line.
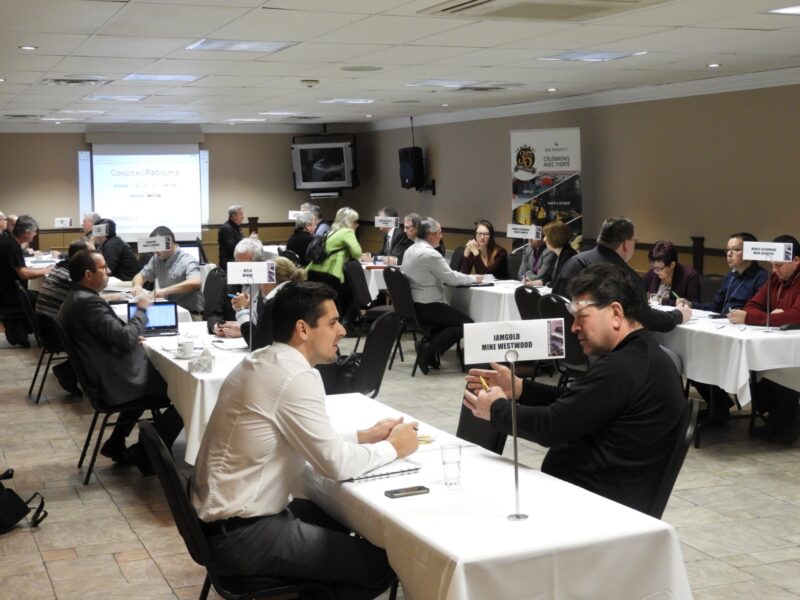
x=459, y=544
x=717, y=352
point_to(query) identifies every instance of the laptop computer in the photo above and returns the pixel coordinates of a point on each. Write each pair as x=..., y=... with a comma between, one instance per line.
x=162, y=318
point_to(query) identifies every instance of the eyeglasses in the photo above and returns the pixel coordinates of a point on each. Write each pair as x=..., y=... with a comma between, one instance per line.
x=733, y=250
x=482, y=234
x=576, y=306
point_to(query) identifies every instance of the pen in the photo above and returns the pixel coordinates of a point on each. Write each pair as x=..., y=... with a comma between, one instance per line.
x=231, y=295
x=676, y=295
x=483, y=382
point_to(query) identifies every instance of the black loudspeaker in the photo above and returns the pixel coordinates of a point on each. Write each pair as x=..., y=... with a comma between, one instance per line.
x=412, y=168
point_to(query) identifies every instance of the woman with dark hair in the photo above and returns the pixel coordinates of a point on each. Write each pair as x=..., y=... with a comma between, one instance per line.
x=557, y=236
x=667, y=278
x=482, y=255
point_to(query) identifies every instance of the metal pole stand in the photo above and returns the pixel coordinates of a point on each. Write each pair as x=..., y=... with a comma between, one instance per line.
x=252, y=326
x=511, y=358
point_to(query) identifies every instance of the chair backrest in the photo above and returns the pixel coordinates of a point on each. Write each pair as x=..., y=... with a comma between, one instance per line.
x=377, y=350
x=527, y=299
x=480, y=432
x=175, y=490
x=291, y=255
x=456, y=258
x=90, y=390
x=216, y=285
x=676, y=360
x=400, y=290
x=553, y=306
x=709, y=284
x=30, y=314
x=513, y=263
x=683, y=439
x=355, y=278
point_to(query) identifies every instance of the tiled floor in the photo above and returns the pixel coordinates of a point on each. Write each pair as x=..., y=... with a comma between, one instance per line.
x=736, y=505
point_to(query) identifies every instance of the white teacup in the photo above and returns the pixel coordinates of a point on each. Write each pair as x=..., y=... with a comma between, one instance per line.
x=185, y=348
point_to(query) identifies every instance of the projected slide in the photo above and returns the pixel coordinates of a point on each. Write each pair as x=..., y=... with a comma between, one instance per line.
x=142, y=191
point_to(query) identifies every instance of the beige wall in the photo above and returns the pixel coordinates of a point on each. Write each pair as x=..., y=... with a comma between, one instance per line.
x=705, y=165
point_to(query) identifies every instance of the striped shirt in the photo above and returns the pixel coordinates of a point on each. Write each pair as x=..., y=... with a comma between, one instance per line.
x=55, y=288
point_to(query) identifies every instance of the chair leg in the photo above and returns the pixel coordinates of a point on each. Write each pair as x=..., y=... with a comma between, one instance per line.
x=96, y=449
x=206, y=589
x=88, y=439
x=397, y=346
x=393, y=590
x=36, y=373
x=44, y=376
x=358, y=339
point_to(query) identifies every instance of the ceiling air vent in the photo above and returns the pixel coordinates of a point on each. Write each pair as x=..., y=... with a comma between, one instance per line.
x=301, y=118
x=536, y=10
x=480, y=88
x=74, y=82
x=20, y=117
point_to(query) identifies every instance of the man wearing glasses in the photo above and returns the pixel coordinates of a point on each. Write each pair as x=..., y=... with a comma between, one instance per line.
x=616, y=245
x=610, y=432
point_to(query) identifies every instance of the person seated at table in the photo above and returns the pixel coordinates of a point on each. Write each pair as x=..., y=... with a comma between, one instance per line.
x=395, y=240
x=537, y=260
x=427, y=272
x=301, y=237
x=176, y=275
x=667, y=278
x=616, y=245
x=322, y=226
x=89, y=220
x=269, y=421
x=13, y=268
x=612, y=431
x=483, y=256
x=219, y=311
x=557, y=236
x=119, y=257
x=111, y=353
x=285, y=271
x=341, y=245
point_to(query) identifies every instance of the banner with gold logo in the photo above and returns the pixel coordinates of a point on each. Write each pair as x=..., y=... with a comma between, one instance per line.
x=546, y=178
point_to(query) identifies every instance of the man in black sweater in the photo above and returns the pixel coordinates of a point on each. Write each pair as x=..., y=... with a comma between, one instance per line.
x=229, y=234
x=612, y=431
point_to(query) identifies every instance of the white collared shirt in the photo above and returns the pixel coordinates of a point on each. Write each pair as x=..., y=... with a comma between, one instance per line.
x=269, y=420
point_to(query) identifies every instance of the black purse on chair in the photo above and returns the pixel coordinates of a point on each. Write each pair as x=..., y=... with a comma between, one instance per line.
x=13, y=508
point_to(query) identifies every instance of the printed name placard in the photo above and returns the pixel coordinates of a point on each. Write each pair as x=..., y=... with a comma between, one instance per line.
x=293, y=214
x=533, y=339
x=386, y=221
x=525, y=232
x=769, y=251
x=159, y=243
x=62, y=222
x=251, y=272
x=100, y=230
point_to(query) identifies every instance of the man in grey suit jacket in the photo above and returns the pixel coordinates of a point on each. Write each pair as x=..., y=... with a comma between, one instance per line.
x=111, y=354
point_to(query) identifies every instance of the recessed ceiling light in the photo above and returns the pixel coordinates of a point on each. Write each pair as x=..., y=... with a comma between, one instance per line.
x=2, y=79
x=445, y=105
x=28, y=48
x=280, y=113
x=642, y=53
x=588, y=56
x=348, y=101
x=369, y=116
x=157, y=77
x=552, y=89
x=210, y=44
x=105, y=98
x=83, y=112
x=445, y=83
x=789, y=10
x=362, y=68
x=246, y=120
x=713, y=65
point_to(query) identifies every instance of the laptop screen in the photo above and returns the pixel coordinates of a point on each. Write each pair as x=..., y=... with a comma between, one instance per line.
x=162, y=316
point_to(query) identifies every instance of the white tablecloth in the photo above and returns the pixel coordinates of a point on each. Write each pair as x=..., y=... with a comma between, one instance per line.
x=375, y=281
x=485, y=304
x=458, y=544
x=271, y=250
x=717, y=352
x=193, y=394
x=38, y=262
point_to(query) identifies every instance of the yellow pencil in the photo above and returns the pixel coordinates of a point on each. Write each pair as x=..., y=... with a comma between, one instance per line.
x=483, y=382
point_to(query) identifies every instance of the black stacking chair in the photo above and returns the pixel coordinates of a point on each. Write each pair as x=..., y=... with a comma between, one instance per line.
x=575, y=363
x=175, y=489
x=400, y=291
x=215, y=291
x=291, y=255
x=709, y=284
x=527, y=299
x=50, y=347
x=357, y=281
x=377, y=351
x=100, y=404
x=456, y=258
x=513, y=263
x=683, y=439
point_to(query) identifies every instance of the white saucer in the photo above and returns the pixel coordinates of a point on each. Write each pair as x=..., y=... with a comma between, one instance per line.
x=194, y=354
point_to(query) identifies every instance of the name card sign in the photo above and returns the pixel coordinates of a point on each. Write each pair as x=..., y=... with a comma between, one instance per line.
x=525, y=232
x=293, y=214
x=251, y=272
x=100, y=230
x=533, y=339
x=159, y=243
x=63, y=222
x=386, y=221
x=768, y=251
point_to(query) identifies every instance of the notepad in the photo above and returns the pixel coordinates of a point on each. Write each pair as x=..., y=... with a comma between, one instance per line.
x=397, y=467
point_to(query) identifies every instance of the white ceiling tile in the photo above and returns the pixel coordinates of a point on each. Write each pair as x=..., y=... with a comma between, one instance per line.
x=487, y=57
x=388, y=30
x=270, y=69
x=487, y=34
x=587, y=36
x=167, y=20
x=130, y=46
x=46, y=43
x=323, y=53
x=284, y=25
x=170, y=66
x=217, y=81
x=364, y=7
x=99, y=65
x=55, y=16
x=410, y=55
x=26, y=61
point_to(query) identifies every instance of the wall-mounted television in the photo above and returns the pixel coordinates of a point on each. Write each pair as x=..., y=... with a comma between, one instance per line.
x=324, y=166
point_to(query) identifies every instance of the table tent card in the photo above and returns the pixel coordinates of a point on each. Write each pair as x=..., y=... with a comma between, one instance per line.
x=159, y=243
x=293, y=214
x=535, y=339
x=251, y=272
x=768, y=251
x=100, y=230
x=63, y=222
x=386, y=222
x=524, y=232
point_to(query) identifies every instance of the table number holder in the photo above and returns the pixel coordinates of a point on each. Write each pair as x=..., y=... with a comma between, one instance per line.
x=511, y=359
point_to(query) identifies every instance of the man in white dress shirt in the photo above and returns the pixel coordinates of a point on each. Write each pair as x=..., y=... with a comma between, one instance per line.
x=269, y=420
x=427, y=272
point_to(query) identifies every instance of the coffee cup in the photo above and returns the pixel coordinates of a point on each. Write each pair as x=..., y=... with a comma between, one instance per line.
x=186, y=348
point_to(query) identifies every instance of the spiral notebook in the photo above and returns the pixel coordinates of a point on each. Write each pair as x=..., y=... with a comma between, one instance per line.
x=397, y=467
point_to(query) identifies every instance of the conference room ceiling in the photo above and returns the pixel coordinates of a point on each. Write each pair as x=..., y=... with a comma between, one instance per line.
x=100, y=62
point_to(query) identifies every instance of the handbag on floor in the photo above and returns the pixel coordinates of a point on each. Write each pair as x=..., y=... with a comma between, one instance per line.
x=13, y=508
